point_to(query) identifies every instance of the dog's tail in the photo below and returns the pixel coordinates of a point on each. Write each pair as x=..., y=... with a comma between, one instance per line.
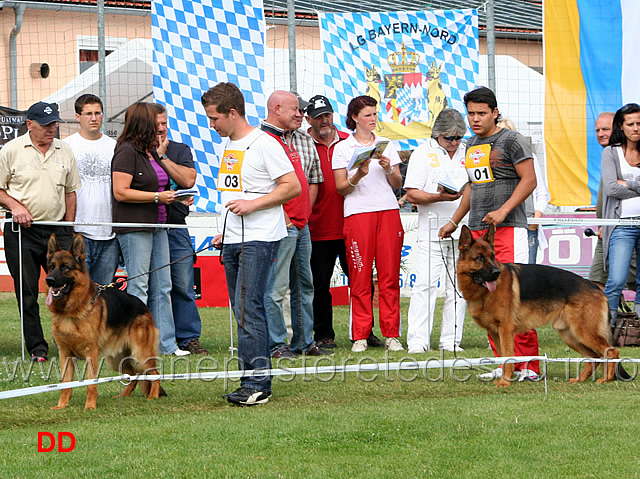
x=164, y=394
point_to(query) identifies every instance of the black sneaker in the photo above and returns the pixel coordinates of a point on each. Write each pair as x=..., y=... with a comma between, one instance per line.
x=327, y=343
x=374, y=342
x=316, y=350
x=39, y=357
x=247, y=397
x=194, y=347
x=284, y=352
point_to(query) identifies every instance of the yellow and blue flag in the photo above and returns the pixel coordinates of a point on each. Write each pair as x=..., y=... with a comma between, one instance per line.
x=591, y=66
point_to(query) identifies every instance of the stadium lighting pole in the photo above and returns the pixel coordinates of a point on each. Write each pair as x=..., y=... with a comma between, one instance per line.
x=102, y=74
x=491, y=46
x=291, y=31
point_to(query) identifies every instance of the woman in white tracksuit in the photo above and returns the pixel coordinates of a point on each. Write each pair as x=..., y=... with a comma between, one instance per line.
x=440, y=160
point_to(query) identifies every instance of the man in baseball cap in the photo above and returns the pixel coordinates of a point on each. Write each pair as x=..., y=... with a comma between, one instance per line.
x=43, y=113
x=318, y=105
x=302, y=104
x=44, y=191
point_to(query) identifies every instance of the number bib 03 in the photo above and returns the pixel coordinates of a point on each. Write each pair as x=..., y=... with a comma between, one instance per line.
x=230, y=173
x=478, y=164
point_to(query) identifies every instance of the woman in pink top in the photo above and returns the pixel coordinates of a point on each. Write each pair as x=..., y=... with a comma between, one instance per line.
x=140, y=195
x=372, y=226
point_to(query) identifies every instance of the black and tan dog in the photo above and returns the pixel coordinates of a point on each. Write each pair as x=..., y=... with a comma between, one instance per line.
x=507, y=299
x=88, y=322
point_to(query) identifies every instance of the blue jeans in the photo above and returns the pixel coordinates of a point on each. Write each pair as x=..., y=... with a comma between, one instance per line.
x=102, y=259
x=292, y=270
x=251, y=267
x=183, y=298
x=533, y=245
x=144, y=251
x=622, y=243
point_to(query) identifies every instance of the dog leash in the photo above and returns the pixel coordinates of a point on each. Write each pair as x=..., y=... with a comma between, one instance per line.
x=102, y=287
x=456, y=293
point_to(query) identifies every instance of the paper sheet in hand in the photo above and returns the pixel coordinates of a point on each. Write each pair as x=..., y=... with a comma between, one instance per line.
x=452, y=186
x=363, y=153
x=185, y=193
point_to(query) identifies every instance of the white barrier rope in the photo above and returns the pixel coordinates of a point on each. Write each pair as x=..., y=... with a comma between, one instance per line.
x=215, y=226
x=406, y=364
x=545, y=221
x=551, y=220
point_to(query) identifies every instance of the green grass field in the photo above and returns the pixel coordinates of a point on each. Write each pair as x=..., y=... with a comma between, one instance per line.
x=392, y=425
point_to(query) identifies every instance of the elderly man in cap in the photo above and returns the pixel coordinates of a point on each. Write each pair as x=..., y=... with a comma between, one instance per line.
x=326, y=221
x=38, y=180
x=304, y=145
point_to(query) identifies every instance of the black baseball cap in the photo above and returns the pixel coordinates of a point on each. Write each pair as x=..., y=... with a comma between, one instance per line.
x=302, y=104
x=319, y=105
x=43, y=113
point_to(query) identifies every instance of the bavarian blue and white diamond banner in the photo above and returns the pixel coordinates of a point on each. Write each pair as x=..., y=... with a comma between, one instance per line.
x=197, y=44
x=414, y=64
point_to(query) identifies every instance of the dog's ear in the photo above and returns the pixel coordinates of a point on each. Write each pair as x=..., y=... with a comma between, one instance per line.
x=78, y=249
x=52, y=246
x=466, y=240
x=490, y=235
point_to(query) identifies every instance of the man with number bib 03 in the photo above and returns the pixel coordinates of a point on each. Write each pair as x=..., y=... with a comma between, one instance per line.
x=500, y=167
x=256, y=178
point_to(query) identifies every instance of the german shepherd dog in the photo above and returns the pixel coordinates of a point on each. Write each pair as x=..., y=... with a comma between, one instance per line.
x=88, y=322
x=507, y=299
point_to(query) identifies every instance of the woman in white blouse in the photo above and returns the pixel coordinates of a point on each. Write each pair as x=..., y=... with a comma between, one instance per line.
x=372, y=226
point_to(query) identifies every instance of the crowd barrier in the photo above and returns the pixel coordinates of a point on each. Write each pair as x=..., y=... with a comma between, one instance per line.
x=378, y=367
x=406, y=364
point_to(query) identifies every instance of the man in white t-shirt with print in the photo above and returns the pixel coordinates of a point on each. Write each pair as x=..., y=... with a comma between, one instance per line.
x=256, y=178
x=439, y=160
x=93, y=152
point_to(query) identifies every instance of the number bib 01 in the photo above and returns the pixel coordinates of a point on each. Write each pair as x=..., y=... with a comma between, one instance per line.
x=230, y=173
x=478, y=164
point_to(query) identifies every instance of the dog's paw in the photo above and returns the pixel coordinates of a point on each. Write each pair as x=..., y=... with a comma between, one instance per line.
x=89, y=407
x=503, y=383
x=58, y=407
x=573, y=381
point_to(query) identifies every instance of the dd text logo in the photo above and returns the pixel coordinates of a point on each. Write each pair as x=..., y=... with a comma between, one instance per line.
x=48, y=437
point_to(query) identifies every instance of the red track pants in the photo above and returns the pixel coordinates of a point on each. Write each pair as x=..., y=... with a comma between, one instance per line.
x=511, y=246
x=376, y=235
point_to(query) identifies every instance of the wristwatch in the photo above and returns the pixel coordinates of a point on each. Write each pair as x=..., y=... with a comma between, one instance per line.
x=164, y=157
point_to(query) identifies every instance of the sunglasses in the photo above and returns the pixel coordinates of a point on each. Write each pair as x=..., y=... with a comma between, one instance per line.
x=449, y=139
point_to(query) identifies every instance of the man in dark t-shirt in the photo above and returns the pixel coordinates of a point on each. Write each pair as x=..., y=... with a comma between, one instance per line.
x=501, y=177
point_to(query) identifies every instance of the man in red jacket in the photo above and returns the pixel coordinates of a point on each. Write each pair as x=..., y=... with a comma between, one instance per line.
x=292, y=268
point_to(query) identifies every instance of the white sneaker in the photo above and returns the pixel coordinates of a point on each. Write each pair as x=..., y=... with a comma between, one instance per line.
x=417, y=350
x=495, y=374
x=458, y=349
x=359, y=346
x=526, y=375
x=393, y=344
x=180, y=352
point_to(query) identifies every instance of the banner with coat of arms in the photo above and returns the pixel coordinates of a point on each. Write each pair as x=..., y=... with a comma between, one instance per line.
x=414, y=64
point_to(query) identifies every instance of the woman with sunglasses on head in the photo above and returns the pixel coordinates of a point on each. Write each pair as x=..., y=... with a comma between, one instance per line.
x=439, y=160
x=141, y=194
x=621, y=199
x=372, y=226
